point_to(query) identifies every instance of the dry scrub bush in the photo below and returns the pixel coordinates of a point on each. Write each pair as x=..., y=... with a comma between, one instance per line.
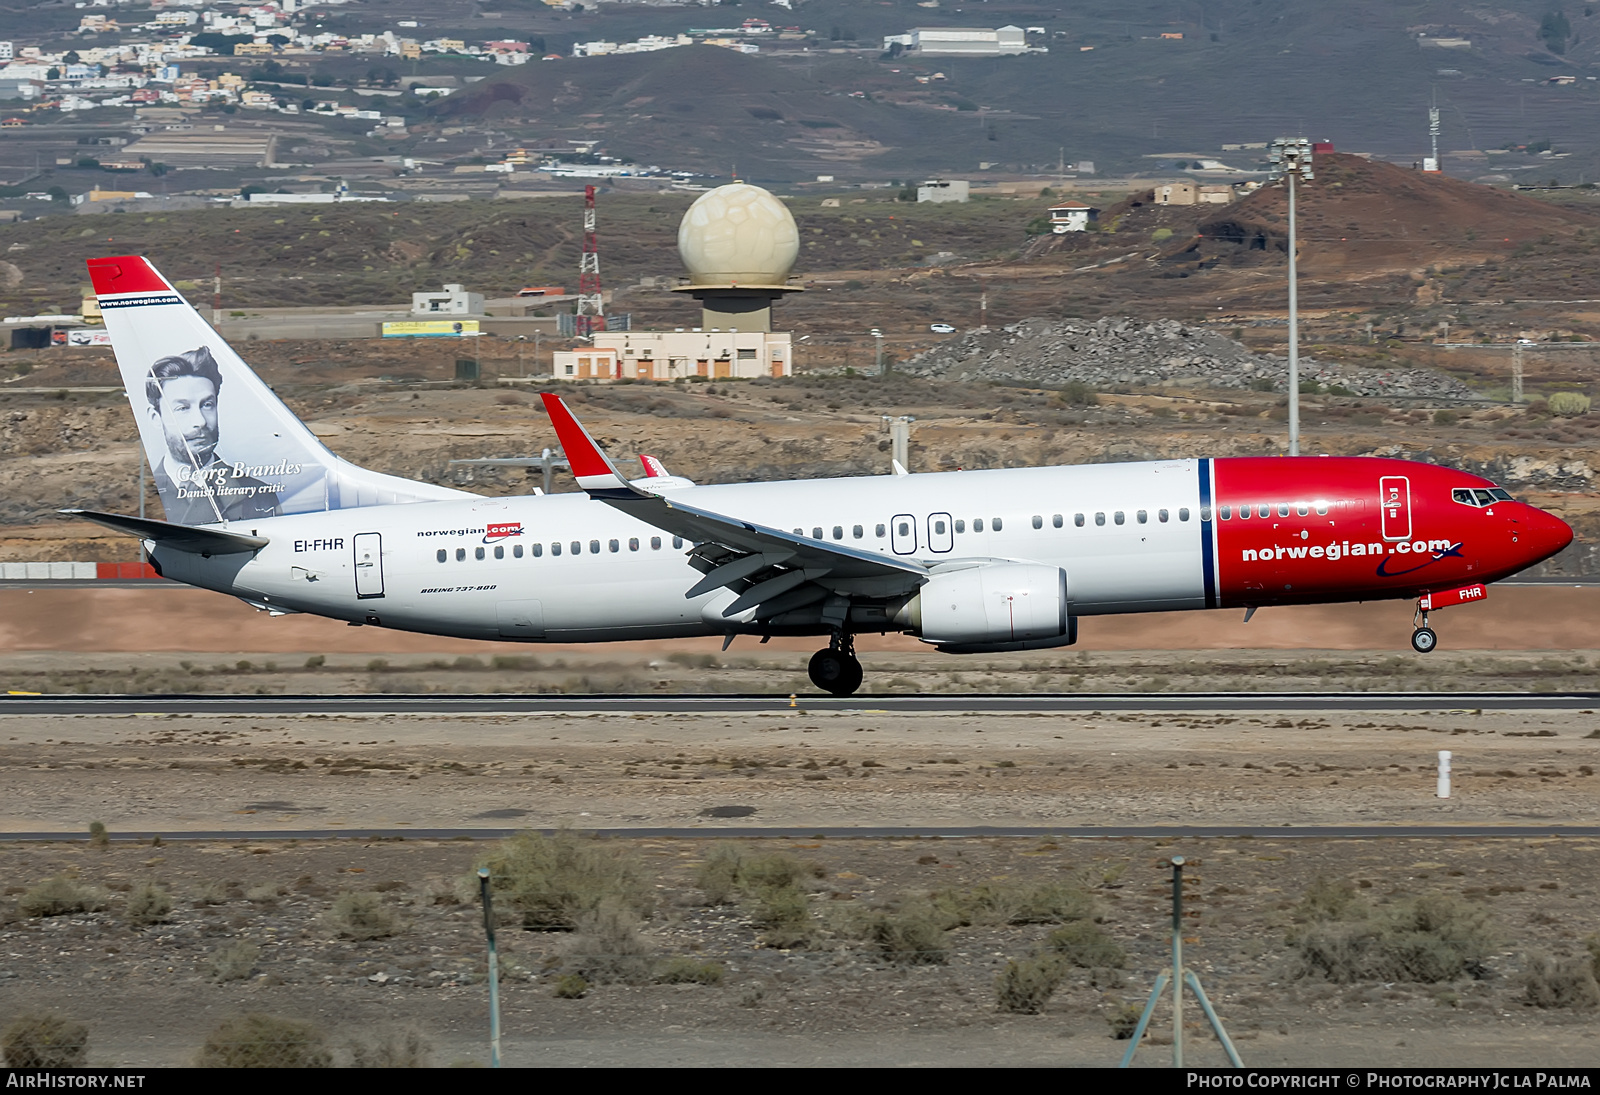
x=912, y=935
x=148, y=904
x=1026, y=985
x=607, y=947
x=363, y=916
x=1568, y=404
x=995, y=904
x=235, y=962
x=1432, y=938
x=1563, y=983
x=571, y=986
x=44, y=1040
x=774, y=886
x=1086, y=944
x=404, y=1048
x=684, y=970
x=60, y=896
x=265, y=1041
x=553, y=881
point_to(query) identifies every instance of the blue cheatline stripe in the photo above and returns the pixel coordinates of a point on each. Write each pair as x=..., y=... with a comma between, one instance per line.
x=1208, y=563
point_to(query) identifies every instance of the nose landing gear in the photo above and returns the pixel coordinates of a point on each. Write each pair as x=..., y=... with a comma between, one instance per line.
x=836, y=669
x=1423, y=638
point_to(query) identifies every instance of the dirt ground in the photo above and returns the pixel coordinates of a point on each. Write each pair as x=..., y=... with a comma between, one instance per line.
x=838, y=998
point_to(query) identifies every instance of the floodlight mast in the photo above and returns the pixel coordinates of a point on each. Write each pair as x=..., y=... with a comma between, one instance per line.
x=1291, y=157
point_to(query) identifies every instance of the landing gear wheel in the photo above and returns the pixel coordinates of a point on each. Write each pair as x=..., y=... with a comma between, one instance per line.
x=835, y=671
x=1423, y=640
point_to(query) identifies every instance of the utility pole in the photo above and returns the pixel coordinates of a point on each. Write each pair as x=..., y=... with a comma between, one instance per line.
x=1291, y=156
x=216, y=298
x=591, y=308
x=899, y=427
x=878, y=334
x=1516, y=371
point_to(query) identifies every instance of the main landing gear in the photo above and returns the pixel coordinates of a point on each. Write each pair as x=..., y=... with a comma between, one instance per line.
x=1423, y=638
x=836, y=669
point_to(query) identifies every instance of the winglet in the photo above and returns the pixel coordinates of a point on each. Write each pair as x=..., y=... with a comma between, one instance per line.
x=653, y=468
x=590, y=465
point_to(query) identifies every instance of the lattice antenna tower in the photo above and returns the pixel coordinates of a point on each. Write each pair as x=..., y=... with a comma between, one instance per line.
x=591, y=315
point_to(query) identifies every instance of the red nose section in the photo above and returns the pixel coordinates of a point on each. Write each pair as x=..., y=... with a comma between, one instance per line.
x=1545, y=535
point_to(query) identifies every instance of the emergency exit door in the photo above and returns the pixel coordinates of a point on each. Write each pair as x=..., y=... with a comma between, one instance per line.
x=369, y=565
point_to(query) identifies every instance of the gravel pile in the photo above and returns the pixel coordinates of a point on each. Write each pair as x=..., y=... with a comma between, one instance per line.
x=1112, y=352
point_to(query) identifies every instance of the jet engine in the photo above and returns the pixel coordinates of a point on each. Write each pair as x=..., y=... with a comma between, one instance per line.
x=992, y=608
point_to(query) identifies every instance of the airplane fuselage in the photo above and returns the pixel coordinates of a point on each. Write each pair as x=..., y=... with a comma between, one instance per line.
x=1134, y=537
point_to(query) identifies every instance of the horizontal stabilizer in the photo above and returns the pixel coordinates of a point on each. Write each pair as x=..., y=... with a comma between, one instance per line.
x=196, y=541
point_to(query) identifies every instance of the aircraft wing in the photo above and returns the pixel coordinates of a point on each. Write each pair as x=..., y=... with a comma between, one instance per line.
x=770, y=568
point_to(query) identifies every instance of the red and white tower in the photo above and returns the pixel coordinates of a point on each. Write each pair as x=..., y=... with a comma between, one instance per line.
x=591, y=314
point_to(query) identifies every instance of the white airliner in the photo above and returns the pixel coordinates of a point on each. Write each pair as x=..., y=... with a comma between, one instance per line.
x=969, y=562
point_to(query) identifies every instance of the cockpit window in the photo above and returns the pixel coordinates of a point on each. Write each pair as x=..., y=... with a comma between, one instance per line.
x=1485, y=498
x=1480, y=497
x=1501, y=496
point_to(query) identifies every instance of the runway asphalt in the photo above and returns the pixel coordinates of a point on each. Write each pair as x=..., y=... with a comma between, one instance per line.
x=437, y=704
x=875, y=832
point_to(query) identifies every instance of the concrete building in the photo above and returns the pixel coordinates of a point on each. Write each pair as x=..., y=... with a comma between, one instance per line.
x=454, y=301
x=943, y=190
x=969, y=41
x=1071, y=217
x=673, y=355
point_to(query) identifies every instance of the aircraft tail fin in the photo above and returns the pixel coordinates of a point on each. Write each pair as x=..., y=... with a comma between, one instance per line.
x=221, y=445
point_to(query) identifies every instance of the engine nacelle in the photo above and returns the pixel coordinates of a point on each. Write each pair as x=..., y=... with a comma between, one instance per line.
x=1012, y=606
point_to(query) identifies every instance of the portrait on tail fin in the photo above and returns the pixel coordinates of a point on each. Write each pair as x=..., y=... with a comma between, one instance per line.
x=198, y=486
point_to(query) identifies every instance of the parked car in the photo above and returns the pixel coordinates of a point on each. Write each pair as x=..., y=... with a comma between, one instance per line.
x=941, y=328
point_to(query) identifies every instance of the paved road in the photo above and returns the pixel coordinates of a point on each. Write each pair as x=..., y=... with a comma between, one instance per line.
x=436, y=704
x=878, y=832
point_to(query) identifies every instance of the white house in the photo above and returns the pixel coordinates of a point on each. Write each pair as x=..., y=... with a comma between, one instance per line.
x=1071, y=217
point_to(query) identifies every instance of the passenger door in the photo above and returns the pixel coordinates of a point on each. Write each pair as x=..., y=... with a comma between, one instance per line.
x=369, y=565
x=1394, y=503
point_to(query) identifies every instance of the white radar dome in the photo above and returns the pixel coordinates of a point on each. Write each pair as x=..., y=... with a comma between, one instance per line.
x=738, y=235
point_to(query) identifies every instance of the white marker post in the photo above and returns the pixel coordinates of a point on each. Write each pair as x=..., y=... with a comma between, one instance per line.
x=1444, y=773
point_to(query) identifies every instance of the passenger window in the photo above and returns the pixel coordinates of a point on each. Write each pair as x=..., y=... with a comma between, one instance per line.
x=477, y=553
x=499, y=551
x=838, y=532
x=614, y=546
x=938, y=527
x=1144, y=517
x=816, y=534
x=677, y=541
x=1077, y=519
x=538, y=550
x=516, y=550
x=799, y=532
x=1205, y=513
x=1263, y=511
x=655, y=543
x=1099, y=518
x=1224, y=512
x=961, y=524
x=1056, y=522
x=594, y=547
x=1117, y=517
x=1322, y=508
x=904, y=529
x=443, y=554
x=1183, y=513
x=882, y=531
x=633, y=543
x=1244, y=513
x=996, y=525
x=577, y=547
x=977, y=524
x=1161, y=515
x=1038, y=522
x=857, y=531
x=1301, y=509
x=555, y=548
x=461, y=553
x=1283, y=509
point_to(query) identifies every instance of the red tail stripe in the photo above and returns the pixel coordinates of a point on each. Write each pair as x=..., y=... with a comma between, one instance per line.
x=125, y=274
